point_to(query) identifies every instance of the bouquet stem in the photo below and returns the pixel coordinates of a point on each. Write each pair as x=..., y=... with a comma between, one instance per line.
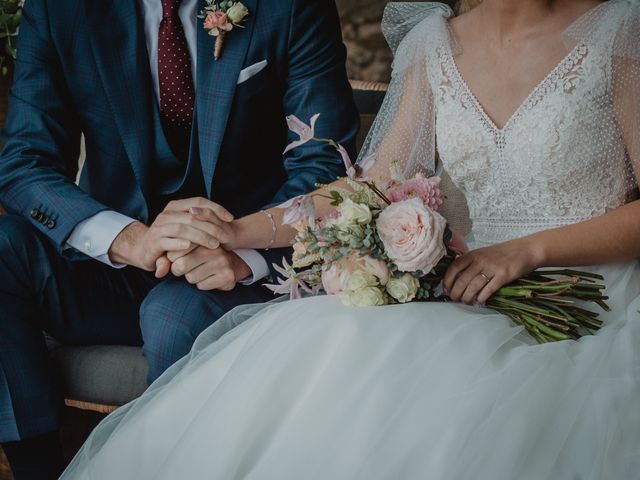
x=548, y=308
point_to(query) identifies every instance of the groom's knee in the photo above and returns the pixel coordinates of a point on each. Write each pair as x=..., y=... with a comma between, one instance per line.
x=171, y=318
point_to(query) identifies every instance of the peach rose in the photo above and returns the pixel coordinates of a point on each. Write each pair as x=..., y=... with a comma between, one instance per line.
x=412, y=235
x=336, y=276
x=375, y=267
x=217, y=21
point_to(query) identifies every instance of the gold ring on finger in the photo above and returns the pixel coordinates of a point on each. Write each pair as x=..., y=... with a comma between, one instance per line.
x=485, y=277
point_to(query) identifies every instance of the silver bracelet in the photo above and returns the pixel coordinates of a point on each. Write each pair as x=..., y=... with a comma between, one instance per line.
x=274, y=229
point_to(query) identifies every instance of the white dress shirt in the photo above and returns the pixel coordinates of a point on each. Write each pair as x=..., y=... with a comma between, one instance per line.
x=94, y=236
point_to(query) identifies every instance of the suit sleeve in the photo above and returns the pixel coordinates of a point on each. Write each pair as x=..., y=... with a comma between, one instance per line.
x=316, y=83
x=41, y=137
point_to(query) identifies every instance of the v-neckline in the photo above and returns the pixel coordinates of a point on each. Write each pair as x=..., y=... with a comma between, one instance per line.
x=532, y=94
x=522, y=105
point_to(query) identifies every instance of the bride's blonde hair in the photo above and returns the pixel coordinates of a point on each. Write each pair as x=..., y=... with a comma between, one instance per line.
x=464, y=6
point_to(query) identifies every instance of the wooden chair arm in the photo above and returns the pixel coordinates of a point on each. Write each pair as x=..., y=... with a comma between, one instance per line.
x=364, y=85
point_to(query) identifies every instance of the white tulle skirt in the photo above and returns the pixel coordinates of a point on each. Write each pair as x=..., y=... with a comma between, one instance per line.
x=310, y=389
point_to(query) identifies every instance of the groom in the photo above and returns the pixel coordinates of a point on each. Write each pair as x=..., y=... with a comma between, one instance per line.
x=162, y=120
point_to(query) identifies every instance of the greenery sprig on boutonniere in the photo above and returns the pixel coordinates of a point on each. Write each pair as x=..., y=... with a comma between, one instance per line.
x=220, y=18
x=10, y=15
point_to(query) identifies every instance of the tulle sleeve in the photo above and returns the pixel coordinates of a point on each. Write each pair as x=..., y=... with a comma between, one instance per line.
x=626, y=82
x=404, y=130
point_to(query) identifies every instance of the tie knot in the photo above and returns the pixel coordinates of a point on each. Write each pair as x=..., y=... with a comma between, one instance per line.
x=170, y=8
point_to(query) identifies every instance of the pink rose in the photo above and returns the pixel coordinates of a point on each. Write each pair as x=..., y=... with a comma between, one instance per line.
x=426, y=189
x=336, y=275
x=412, y=235
x=375, y=267
x=217, y=20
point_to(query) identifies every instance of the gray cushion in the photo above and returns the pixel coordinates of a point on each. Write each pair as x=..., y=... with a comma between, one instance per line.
x=107, y=375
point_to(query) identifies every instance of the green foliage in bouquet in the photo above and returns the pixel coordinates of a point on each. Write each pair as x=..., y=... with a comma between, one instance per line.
x=10, y=15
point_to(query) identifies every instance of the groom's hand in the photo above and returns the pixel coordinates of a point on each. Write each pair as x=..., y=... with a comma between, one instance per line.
x=201, y=213
x=183, y=225
x=211, y=269
x=141, y=246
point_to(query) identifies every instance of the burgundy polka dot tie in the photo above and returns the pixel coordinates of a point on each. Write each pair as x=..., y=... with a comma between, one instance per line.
x=177, y=94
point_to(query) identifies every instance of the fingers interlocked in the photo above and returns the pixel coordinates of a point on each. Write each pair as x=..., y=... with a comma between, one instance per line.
x=193, y=228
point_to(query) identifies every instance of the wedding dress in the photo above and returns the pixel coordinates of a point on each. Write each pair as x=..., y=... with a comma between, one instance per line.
x=310, y=389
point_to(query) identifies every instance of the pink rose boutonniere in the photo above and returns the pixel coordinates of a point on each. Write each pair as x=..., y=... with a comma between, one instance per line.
x=220, y=18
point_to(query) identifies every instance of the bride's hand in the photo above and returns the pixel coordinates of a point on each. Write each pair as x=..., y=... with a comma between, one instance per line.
x=201, y=213
x=475, y=276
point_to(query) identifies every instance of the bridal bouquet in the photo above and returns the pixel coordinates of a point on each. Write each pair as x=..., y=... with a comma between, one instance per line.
x=388, y=244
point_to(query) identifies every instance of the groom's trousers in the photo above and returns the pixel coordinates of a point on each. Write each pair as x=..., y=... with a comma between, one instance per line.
x=79, y=303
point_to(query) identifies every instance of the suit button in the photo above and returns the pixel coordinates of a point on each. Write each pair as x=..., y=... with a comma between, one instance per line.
x=34, y=213
x=51, y=224
x=40, y=216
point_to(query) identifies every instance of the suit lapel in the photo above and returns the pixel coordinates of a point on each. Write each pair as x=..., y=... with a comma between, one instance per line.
x=216, y=86
x=118, y=43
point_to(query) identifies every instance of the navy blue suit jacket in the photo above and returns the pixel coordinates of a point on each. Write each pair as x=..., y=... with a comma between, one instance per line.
x=82, y=67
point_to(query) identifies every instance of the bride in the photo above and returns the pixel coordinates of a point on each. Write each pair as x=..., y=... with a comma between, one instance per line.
x=534, y=108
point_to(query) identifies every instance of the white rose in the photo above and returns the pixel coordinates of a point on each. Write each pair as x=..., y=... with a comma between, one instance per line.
x=354, y=213
x=403, y=289
x=412, y=235
x=361, y=279
x=237, y=12
x=364, y=297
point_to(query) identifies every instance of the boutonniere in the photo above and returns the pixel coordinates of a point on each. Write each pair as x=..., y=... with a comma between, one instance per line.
x=220, y=18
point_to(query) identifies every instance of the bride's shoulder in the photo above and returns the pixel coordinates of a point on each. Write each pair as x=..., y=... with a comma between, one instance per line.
x=617, y=20
x=408, y=25
x=628, y=19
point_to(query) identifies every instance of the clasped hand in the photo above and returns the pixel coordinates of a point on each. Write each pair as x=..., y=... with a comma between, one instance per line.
x=185, y=239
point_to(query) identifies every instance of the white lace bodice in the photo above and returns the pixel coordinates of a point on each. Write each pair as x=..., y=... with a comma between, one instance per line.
x=569, y=153
x=557, y=161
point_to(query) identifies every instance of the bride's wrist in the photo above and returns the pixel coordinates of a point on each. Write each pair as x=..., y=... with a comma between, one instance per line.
x=235, y=234
x=257, y=231
x=242, y=234
x=536, y=251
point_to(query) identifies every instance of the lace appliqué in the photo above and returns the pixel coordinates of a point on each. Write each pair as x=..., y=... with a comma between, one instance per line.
x=558, y=160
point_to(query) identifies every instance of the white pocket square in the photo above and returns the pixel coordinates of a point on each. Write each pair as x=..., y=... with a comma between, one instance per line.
x=251, y=71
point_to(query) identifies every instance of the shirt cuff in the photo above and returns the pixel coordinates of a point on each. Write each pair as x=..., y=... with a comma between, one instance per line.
x=257, y=264
x=94, y=236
